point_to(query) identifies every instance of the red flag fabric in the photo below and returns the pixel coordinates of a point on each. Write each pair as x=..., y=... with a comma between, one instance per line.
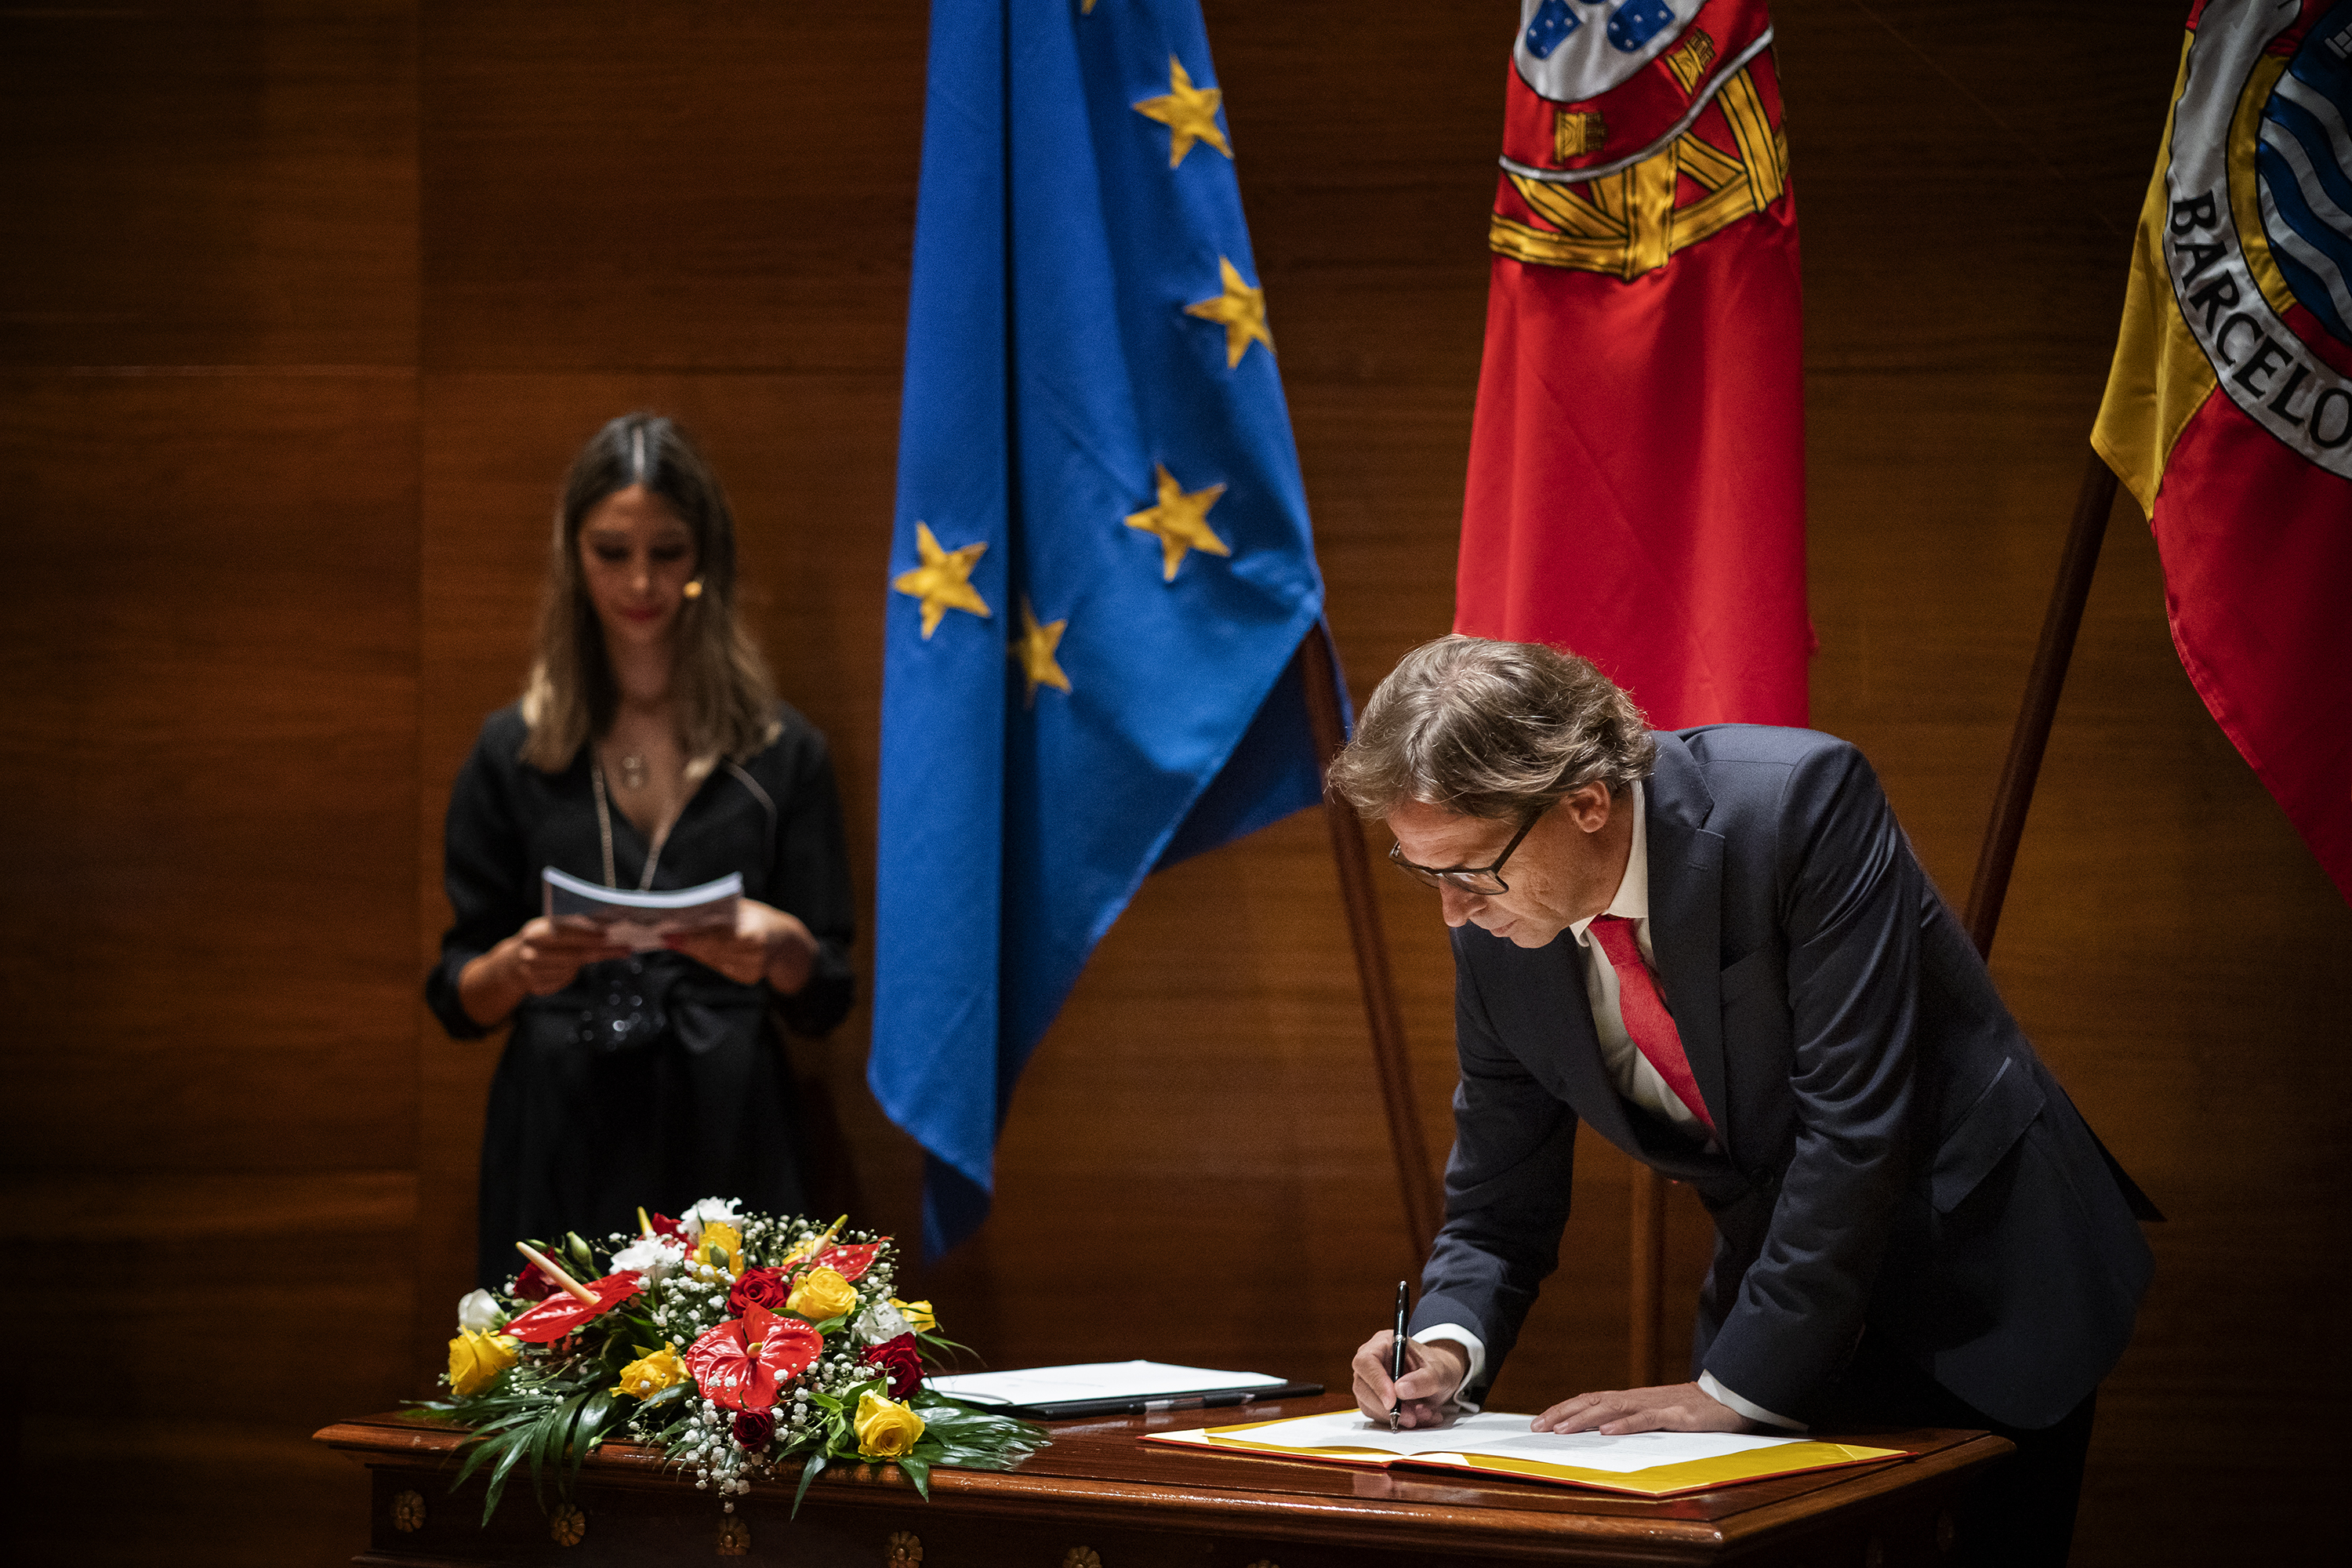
x=2229, y=411
x=1637, y=484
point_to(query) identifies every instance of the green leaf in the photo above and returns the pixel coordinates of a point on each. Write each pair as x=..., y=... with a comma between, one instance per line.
x=594, y=1414
x=514, y=1449
x=919, y=1472
x=809, y=1472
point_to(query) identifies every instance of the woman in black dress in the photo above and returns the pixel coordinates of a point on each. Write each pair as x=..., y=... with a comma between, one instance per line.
x=648, y=751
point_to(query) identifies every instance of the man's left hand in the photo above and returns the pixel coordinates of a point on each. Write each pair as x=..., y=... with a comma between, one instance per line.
x=1678, y=1407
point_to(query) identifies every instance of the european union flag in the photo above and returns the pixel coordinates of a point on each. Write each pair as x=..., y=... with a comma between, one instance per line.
x=1101, y=571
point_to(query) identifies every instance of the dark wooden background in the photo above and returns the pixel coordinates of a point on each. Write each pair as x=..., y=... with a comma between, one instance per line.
x=302, y=310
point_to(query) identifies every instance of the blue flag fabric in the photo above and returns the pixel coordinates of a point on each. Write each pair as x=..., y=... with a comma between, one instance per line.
x=1101, y=570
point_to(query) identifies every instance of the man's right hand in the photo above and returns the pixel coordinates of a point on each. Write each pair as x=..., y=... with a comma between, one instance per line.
x=1433, y=1375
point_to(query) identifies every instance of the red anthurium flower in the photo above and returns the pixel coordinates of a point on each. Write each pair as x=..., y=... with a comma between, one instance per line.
x=664, y=1225
x=849, y=1262
x=562, y=1312
x=741, y=1363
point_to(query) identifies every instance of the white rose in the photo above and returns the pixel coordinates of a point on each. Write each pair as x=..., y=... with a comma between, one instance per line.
x=479, y=1310
x=879, y=1322
x=654, y=1257
x=727, y=1211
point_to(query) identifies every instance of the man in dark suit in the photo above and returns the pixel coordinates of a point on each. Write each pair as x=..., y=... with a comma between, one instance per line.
x=1715, y=948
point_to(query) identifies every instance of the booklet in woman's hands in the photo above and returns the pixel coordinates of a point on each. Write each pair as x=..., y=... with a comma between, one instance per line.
x=640, y=921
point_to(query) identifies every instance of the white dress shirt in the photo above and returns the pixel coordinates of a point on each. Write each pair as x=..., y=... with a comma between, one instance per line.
x=1632, y=1074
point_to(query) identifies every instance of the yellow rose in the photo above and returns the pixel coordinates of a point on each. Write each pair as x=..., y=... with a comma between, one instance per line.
x=718, y=1236
x=652, y=1372
x=476, y=1359
x=822, y=1294
x=885, y=1428
x=917, y=1314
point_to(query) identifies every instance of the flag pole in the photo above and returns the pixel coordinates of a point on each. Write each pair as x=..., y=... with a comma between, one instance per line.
x=2014, y=796
x=1318, y=671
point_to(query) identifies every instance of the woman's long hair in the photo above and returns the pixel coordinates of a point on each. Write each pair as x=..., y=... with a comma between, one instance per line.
x=726, y=704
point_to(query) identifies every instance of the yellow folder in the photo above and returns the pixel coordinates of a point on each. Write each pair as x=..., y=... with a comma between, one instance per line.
x=1774, y=1459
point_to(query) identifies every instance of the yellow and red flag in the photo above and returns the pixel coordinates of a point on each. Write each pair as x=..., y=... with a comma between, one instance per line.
x=1637, y=477
x=2229, y=411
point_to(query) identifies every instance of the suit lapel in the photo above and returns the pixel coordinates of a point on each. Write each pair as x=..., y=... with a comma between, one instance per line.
x=1546, y=988
x=1686, y=919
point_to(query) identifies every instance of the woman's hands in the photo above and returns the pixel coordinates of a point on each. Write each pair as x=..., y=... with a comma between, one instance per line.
x=543, y=958
x=537, y=961
x=766, y=943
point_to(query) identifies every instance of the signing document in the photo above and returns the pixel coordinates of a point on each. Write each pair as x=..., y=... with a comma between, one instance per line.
x=1652, y=1464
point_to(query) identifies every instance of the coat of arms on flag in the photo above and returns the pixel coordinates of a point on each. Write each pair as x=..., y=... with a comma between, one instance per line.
x=1603, y=170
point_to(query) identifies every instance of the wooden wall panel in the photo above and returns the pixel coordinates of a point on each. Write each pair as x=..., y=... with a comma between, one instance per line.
x=211, y=1086
x=214, y=722
x=208, y=182
x=217, y=1320
x=207, y=320
x=699, y=186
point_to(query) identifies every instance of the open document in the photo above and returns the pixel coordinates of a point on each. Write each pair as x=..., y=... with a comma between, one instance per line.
x=640, y=921
x=1113, y=1388
x=1649, y=1464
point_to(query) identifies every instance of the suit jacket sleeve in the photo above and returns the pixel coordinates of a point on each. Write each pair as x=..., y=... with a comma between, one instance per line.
x=1849, y=893
x=1506, y=1190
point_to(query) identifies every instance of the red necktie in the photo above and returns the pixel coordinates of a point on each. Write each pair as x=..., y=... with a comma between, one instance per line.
x=1646, y=1019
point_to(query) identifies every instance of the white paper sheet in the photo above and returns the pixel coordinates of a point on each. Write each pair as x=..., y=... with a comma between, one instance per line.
x=1092, y=1380
x=1495, y=1435
x=639, y=920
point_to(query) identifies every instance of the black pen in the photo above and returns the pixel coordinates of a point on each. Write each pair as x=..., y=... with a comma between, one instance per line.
x=1396, y=1358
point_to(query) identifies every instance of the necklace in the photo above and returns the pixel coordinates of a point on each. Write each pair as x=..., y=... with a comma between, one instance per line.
x=633, y=772
x=604, y=832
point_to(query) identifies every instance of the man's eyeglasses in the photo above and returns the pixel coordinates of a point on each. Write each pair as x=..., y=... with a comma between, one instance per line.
x=1487, y=881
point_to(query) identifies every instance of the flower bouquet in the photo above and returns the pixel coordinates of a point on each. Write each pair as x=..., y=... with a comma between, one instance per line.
x=737, y=1343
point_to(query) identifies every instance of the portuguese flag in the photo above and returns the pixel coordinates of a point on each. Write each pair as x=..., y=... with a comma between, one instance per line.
x=1637, y=483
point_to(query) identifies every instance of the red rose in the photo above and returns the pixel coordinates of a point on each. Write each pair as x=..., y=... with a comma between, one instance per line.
x=530, y=1284
x=900, y=1362
x=769, y=1287
x=752, y=1432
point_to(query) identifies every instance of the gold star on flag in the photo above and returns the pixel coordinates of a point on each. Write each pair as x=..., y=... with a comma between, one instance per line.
x=1190, y=113
x=1241, y=307
x=943, y=581
x=1180, y=520
x=1035, y=651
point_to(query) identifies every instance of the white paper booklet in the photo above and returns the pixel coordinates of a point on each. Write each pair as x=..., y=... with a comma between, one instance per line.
x=640, y=921
x=1092, y=1387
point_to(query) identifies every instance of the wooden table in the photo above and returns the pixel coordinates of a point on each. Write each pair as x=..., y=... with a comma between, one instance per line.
x=1098, y=1499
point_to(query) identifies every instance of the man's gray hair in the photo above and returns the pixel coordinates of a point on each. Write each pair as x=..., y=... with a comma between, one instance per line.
x=1495, y=730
